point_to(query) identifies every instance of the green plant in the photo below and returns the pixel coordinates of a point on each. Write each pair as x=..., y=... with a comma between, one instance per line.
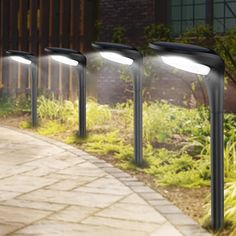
x=229, y=206
x=155, y=32
x=97, y=114
x=118, y=34
x=23, y=103
x=25, y=125
x=164, y=122
x=13, y=106
x=61, y=110
x=175, y=168
x=98, y=28
x=102, y=144
x=156, y=123
x=230, y=160
x=65, y=111
x=6, y=106
x=51, y=128
x=201, y=34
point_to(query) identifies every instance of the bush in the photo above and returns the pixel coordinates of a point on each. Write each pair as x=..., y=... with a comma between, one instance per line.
x=66, y=112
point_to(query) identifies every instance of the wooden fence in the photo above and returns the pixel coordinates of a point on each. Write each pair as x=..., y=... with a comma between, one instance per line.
x=32, y=25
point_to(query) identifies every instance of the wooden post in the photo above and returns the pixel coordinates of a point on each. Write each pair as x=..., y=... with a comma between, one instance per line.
x=43, y=42
x=74, y=43
x=65, y=43
x=54, y=42
x=13, y=44
x=23, y=75
x=5, y=24
x=33, y=30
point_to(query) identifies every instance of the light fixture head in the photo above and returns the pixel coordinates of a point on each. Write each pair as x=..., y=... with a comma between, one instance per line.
x=21, y=56
x=186, y=64
x=116, y=57
x=188, y=57
x=66, y=56
x=65, y=60
x=119, y=53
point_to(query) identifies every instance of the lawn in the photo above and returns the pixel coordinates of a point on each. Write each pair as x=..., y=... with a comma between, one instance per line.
x=176, y=146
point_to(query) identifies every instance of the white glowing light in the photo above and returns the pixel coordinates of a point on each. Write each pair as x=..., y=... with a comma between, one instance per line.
x=116, y=58
x=65, y=60
x=21, y=59
x=186, y=64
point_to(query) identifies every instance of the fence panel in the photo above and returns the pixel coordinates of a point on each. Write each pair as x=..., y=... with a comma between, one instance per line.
x=13, y=42
x=44, y=42
x=32, y=25
x=23, y=75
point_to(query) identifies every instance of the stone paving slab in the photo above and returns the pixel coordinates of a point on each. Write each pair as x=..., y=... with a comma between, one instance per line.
x=52, y=228
x=49, y=188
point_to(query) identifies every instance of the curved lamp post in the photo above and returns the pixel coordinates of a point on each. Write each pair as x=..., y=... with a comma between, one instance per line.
x=74, y=58
x=28, y=59
x=207, y=63
x=127, y=55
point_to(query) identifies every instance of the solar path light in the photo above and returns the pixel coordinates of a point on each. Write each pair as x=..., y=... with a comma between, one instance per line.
x=78, y=60
x=30, y=60
x=207, y=63
x=124, y=54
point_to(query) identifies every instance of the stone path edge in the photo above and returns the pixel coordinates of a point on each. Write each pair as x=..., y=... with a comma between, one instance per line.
x=185, y=224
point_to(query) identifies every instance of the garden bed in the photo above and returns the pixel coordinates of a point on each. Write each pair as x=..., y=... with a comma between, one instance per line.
x=176, y=147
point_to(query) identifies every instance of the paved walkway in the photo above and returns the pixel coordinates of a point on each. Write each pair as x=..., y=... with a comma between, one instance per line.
x=50, y=188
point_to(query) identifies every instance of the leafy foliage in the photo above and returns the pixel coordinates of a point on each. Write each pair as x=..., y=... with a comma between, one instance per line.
x=229, y=206
x=61, y=110
x=118, y=34
x=65, y=111
x=97, y=114
x=155, y=32
x=11, y=106
x=6, y=106
x=51, y=128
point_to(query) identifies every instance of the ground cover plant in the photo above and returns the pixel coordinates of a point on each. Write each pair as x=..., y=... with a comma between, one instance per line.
x=176, y=141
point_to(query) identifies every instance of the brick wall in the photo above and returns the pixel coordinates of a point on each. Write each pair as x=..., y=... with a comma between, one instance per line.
x=108, y=88
x=133, y=15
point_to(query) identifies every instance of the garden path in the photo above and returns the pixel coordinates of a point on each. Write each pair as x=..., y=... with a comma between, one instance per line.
x=50, y=188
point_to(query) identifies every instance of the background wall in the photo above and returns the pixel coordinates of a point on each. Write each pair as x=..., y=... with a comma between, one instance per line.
x=132, y=15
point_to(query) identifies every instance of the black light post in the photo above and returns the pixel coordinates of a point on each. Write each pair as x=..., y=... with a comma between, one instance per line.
x=74, y=58
x=127, y=55
x=28, y=59
x=205, y=62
